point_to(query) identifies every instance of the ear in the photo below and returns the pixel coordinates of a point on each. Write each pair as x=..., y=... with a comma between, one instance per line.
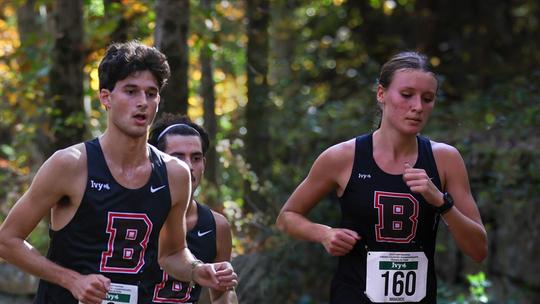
x=381, y=92
x=105, y=98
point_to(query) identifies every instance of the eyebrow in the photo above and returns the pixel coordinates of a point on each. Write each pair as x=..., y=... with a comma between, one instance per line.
x=133, y=86
x=183, y=153
x=414, y=89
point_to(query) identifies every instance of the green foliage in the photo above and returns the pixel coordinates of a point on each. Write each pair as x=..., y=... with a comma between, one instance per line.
x=476, y=294
x=478, y=284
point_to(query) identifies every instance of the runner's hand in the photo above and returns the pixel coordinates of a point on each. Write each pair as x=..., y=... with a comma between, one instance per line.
x=218, y=276
x=91, y=289
x=419, y=182
x=339, y=241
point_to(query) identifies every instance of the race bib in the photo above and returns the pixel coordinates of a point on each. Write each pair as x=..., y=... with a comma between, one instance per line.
x=394, y=277
x=121, y=294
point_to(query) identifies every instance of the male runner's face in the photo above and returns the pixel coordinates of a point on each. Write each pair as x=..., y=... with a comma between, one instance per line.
x=189, y=149
x=132, y=104
x=409, y=99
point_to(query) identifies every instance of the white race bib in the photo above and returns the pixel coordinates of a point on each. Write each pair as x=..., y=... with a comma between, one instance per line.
x=396, y=276
x=121, y=294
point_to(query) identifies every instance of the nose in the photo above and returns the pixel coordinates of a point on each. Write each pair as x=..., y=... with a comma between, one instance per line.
x=416, y=103
x=142, y=101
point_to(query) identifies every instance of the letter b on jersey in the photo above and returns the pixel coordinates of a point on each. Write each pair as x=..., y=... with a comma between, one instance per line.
x=128, y=240
x=397, y=215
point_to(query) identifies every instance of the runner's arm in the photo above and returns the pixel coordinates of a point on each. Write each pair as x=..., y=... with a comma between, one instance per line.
x=463, y=221
x=48, y=187
x=330, y=171
x=174, y=256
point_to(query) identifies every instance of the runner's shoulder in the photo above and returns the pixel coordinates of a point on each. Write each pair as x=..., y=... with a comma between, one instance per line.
x=68, y=160
x=221, y=221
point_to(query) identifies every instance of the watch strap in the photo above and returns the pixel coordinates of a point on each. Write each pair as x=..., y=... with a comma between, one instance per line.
x=448, y=203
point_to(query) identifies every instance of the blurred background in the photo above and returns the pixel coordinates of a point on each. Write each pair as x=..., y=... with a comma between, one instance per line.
x=276, y=82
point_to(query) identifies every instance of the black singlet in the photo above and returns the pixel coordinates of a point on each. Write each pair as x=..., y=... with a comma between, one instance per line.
x=115, y=230
x=201, y=241
x=388, y=217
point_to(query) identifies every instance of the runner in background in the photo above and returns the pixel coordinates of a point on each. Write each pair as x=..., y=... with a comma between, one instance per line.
x=208, y=232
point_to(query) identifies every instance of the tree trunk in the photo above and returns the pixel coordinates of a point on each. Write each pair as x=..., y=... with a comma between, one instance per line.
x=257, y=109
x=170, y=36
x=29, y=30
x=34, y=32
x=66, y=76
x=283, y=44
x=209, y=100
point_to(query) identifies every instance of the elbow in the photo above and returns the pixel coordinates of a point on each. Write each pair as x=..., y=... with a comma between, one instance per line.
x=165, y=265
x=162, y=261
x=481, y=251
x=4, y=246
x=480, y=255
x=280, y=222
x=479, y=258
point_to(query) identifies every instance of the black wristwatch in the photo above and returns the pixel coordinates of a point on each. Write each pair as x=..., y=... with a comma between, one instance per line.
x=448, y=202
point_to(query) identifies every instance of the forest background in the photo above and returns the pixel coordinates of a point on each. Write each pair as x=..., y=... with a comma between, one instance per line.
x=275, y=82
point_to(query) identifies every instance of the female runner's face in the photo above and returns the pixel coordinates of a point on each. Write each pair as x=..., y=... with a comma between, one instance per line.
x=407, y=102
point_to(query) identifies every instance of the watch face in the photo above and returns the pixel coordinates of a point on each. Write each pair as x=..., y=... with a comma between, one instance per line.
x=448, y=203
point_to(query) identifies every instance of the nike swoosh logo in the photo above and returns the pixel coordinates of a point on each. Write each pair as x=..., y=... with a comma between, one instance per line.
x=199, y=233
x=153, y=190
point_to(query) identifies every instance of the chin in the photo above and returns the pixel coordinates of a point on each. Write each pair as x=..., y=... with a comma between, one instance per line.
x=412, y=131
x=136, y=133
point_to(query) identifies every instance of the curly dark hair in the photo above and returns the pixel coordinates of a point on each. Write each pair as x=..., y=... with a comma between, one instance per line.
x=177, y=124
x=123, y=59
